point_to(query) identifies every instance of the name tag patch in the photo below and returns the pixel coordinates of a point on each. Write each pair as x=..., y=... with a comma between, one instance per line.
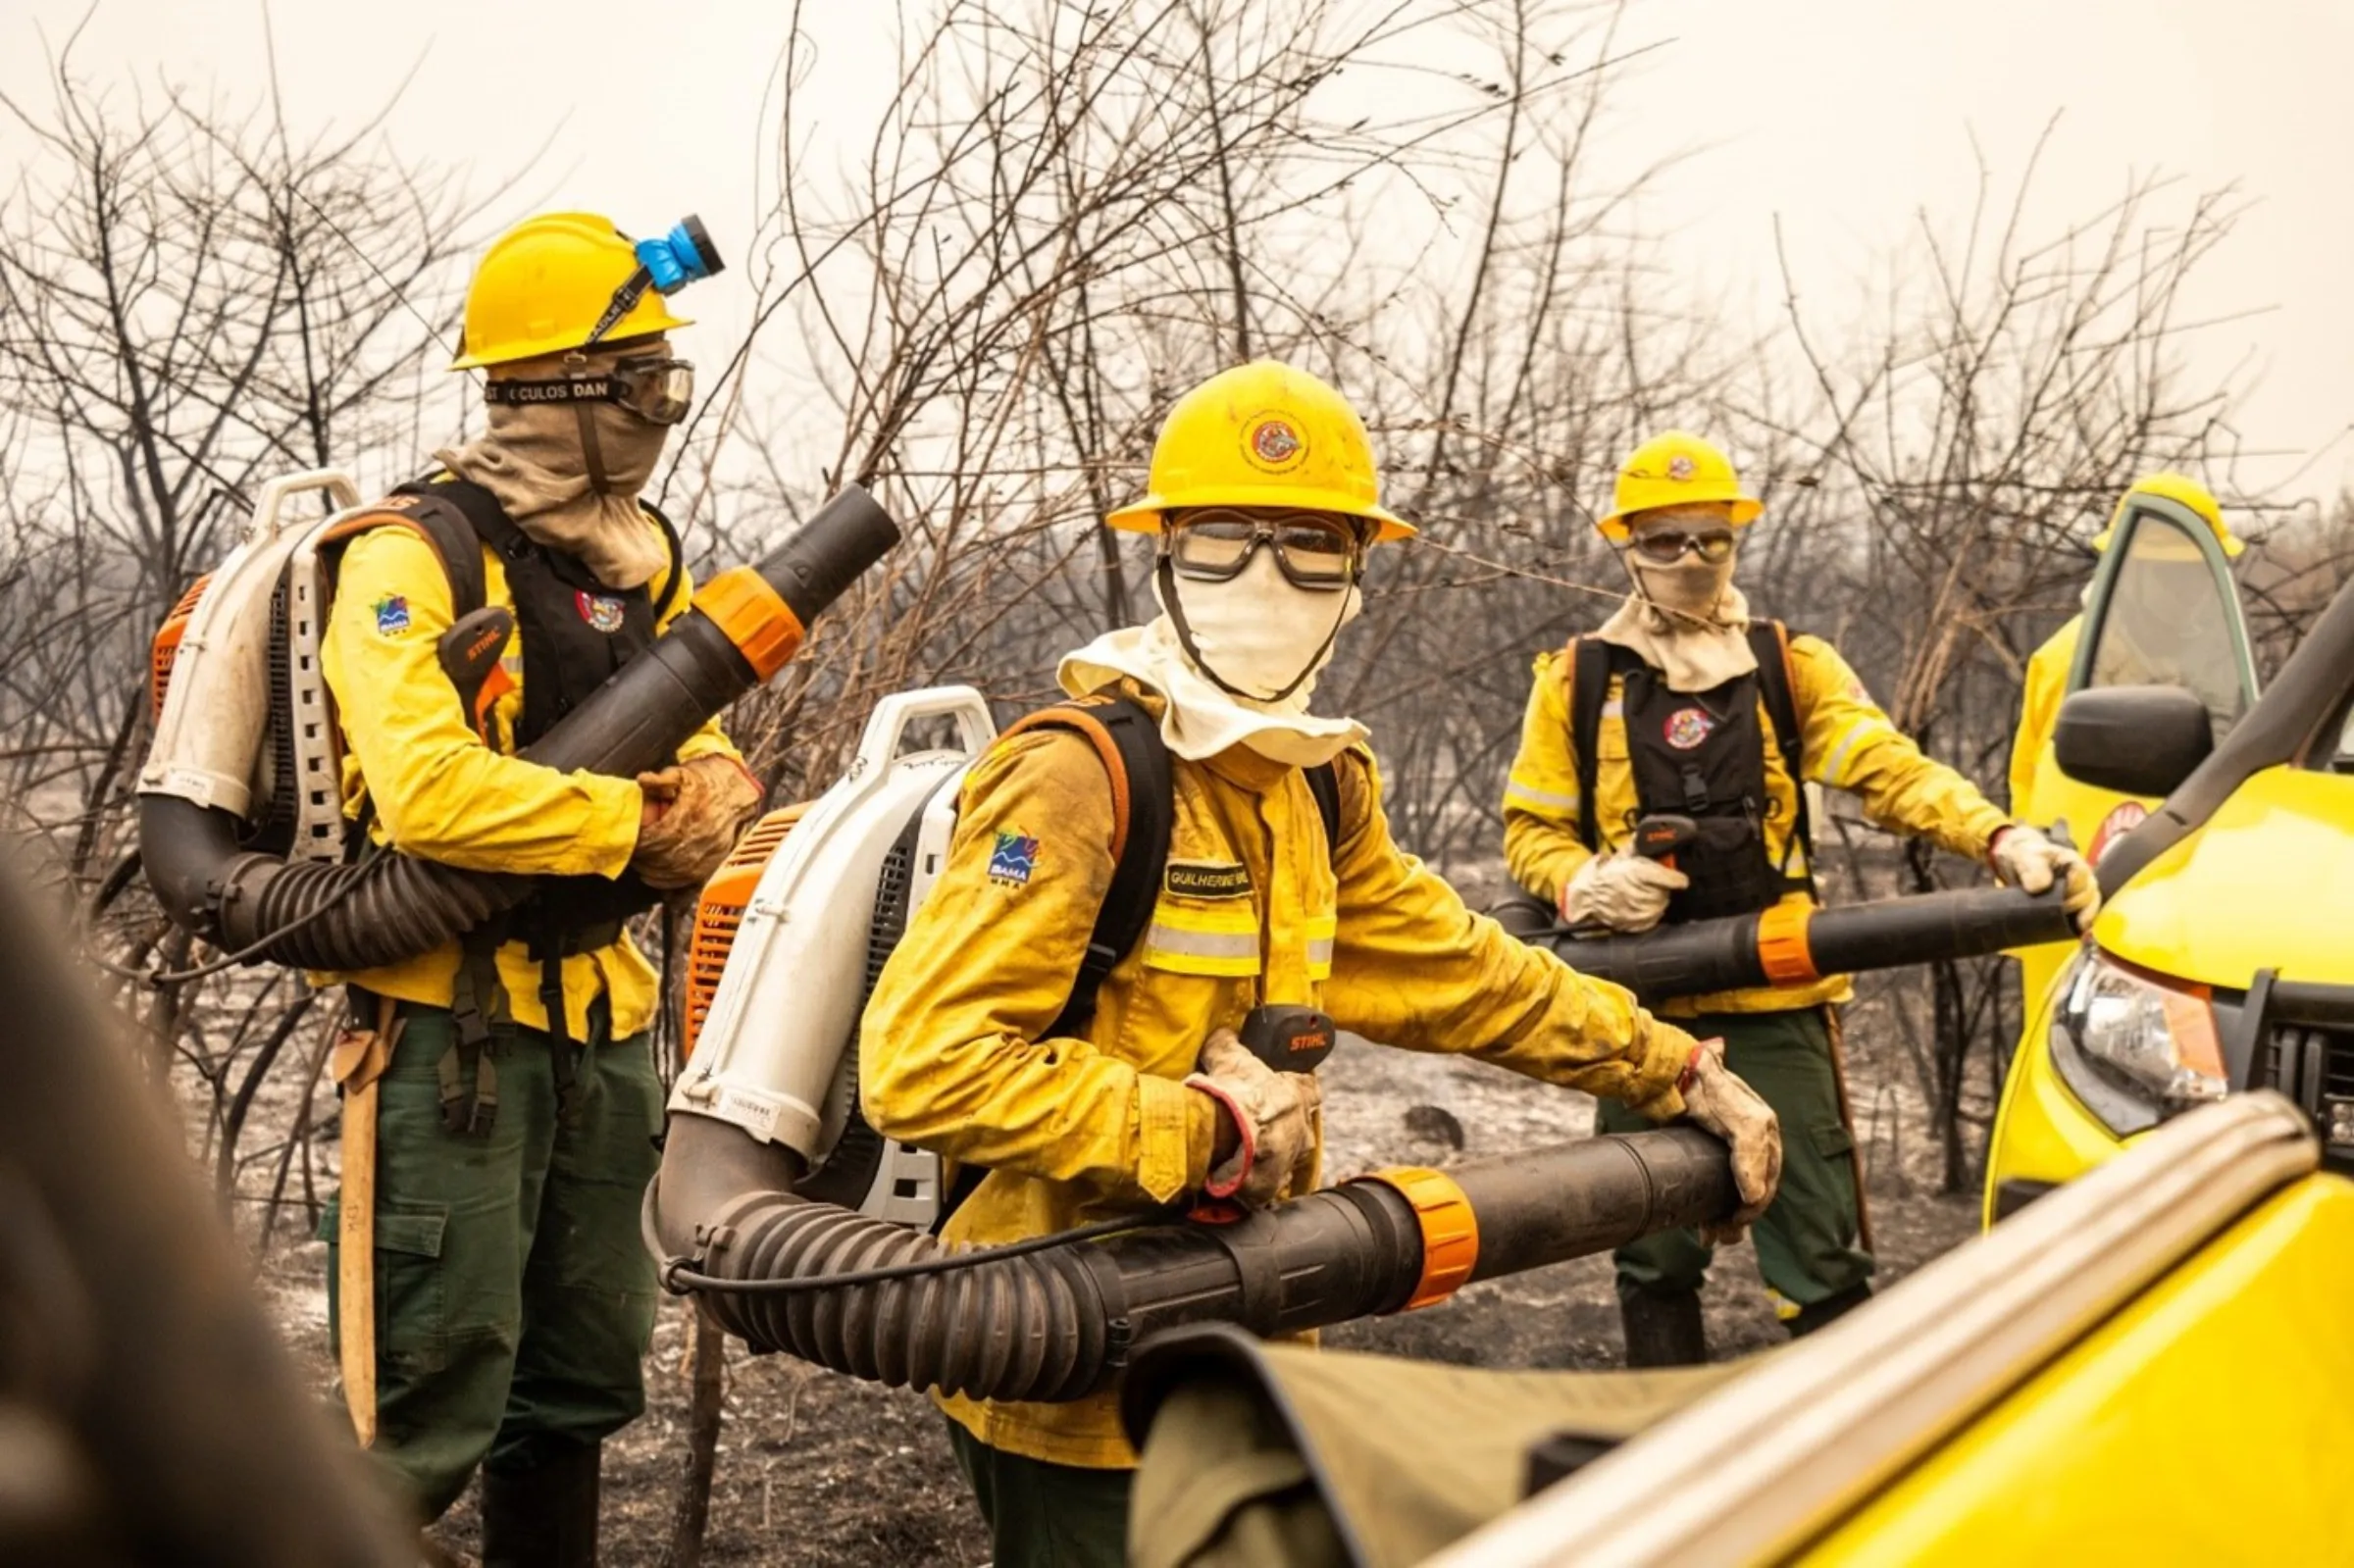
x=1206, y=878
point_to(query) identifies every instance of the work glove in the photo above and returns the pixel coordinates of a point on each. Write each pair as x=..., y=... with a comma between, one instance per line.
x=1729, y=1108
x=1274, y=1112
x=2028, y=861
x=1623, y=891
x=693, y=816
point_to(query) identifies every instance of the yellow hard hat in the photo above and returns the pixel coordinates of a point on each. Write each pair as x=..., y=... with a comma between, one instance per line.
x=1676, y=469
x=1263, y=435
x=2183, y=491
x=543, y=283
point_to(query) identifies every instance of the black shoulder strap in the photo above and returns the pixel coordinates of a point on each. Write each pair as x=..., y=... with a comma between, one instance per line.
x=461, y=518
x=1324, y=783
x=1589, y=689
x=1770, y=641
x=1127, y=739
x=677, y=579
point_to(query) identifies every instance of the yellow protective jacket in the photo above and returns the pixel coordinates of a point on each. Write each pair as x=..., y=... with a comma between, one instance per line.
x=1846, y=740
x=2038, y=715
x=441, y=795
x=1073, y=1129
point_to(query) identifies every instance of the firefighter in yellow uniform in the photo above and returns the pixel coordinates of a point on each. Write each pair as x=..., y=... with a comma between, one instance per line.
x=1682, y=705
x=517, y=1112
x=2048, y=665
x=1264, y=501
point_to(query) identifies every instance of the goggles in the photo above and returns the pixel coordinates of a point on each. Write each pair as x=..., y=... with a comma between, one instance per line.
x=657, y=391
x=1315, y=550
x=1666, y=546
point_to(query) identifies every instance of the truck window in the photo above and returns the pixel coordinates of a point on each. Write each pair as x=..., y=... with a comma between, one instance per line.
x=2167, y=625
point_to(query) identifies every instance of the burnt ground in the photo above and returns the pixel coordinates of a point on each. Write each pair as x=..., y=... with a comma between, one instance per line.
x=815, y=1468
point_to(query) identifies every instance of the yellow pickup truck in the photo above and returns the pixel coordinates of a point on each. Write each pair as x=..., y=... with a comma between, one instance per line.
x=2221, y=962
x=2149, y=1366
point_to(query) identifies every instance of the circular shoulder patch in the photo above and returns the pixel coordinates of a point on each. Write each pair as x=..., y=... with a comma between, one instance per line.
x=1273, y=444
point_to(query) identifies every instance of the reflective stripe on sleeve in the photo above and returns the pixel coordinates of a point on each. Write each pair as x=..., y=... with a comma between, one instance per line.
x=1543, y=802
x=1834, y=765
x=1320, y=931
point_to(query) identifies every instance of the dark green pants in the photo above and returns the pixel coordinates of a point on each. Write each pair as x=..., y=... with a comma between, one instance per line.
x=1044, y=1515
x=514, y=1299
x=1807, y=1245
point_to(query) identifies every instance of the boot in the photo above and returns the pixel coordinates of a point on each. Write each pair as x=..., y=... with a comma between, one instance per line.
x=1663, y=1328
x=545, y=1516
x=1810, y=1318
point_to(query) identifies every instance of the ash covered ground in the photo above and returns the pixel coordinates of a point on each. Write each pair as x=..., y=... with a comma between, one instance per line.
x=815, y=1468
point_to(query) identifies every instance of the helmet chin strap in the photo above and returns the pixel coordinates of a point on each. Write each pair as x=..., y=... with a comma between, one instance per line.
x=1166, y=573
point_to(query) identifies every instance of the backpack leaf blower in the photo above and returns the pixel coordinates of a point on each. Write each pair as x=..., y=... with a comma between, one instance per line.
x=802, y=1230
x=221, y=765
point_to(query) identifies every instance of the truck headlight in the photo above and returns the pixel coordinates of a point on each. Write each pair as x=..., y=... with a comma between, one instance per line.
x=2153, y=1039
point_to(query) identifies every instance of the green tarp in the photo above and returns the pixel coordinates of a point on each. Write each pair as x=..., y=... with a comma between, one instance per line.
x=1256, y=1455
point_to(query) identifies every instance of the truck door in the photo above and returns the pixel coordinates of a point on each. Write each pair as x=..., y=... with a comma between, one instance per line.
x=2163, y=610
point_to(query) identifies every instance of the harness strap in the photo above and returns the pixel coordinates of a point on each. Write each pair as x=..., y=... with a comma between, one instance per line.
x=1589, y=690
x=1777, y=685
x=467, y=1070
x=1144, y=790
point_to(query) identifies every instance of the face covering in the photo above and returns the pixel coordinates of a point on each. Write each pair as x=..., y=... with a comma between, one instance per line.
x=1262, y=635
x=570, y=474
x=1690, y=587
x=1254, y=635
x=1686, y=621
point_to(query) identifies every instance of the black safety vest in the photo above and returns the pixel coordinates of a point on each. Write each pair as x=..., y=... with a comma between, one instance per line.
x=1700, y=755
x=576, y=632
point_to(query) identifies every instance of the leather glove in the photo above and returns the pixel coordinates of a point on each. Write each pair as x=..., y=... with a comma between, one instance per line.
x=1729, y=1108
x=693, y=816
x=1623, y=891
x=1275, y=1112
x=2028, y=861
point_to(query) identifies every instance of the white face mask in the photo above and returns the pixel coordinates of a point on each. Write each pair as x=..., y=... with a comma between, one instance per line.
x=1259, y=635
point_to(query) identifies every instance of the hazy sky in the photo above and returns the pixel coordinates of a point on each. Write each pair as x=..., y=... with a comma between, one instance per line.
x=1842, y=117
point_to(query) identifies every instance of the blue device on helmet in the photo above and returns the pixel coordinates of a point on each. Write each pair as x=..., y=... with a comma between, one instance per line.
x=681, y=257
x=667, y=265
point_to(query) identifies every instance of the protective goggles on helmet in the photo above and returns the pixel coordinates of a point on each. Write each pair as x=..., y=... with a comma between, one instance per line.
x=657, y=391
x=1316, y=551
x=1666, y=546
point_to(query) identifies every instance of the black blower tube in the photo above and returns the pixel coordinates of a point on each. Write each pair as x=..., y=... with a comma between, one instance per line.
x=1057, y=1324
x=343, y=917
x=1731, y=954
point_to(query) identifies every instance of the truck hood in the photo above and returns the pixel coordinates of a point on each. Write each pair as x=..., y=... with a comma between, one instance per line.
x=2268, y=883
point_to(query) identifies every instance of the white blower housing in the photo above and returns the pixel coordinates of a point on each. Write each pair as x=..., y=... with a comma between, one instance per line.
x=777, y=1055
x=218, y=742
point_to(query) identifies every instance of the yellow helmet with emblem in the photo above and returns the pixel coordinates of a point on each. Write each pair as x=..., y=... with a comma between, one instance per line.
x=1263, y=435
x=1676, y=469
x=2185, y=492
x=543, y=285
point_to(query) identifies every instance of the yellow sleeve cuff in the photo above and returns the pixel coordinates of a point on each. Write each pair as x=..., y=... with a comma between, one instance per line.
x=1666, y=1050
x=1166, y=1138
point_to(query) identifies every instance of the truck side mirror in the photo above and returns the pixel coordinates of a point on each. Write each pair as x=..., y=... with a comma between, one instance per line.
x=2136, y=741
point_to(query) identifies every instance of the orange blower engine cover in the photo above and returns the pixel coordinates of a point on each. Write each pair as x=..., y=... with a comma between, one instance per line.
x=165, y=649
x=720, y=910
